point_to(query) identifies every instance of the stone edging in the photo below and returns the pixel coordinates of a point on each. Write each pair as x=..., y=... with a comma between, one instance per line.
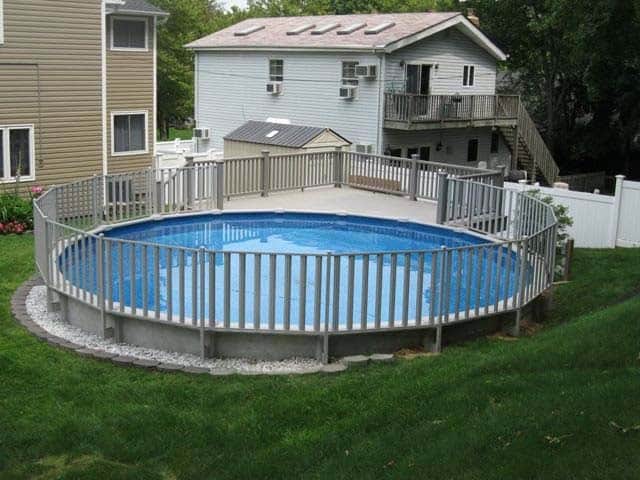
x=19, y=311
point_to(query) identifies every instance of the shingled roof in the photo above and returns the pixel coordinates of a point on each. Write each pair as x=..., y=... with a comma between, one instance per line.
x=136, y=7
x=341, y=32
x=279, y=134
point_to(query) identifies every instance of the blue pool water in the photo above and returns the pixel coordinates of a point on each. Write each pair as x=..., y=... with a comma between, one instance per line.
x=243, y=248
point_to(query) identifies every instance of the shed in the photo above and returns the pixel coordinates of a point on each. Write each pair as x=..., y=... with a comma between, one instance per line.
x=278, y=138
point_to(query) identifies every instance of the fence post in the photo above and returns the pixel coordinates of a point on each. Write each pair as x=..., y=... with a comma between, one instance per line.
x=413, y=177
x=266, y=173
x=337, y=167
x=219, y=184
x=47, y=263
x=615, y=217
x=443, y=197
x=100, y=283
x=190, y=193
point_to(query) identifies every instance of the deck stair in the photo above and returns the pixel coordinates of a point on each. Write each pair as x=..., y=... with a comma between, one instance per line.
x=531, y=151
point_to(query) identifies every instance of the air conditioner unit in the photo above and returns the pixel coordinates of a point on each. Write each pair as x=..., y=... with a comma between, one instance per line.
x=364, y=148
x=348, y=92
x=201, y=133
x=367, y=71
x=274, y=88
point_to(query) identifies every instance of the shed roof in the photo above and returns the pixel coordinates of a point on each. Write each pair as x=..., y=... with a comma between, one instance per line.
x=341, y=32
x=136, y=7
x=278, y=134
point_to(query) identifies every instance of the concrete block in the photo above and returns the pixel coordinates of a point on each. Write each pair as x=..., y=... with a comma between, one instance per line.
x=170, y=367
x=144, y=363
x=382, y=358
x=355, y=361
x=333, y=368
x=123, y=360
x=196, y=370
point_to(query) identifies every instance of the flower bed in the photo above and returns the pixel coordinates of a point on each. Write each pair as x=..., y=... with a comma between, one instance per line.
x=16, y=212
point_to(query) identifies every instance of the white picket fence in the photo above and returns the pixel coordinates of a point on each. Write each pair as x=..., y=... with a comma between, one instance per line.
x=599, y=221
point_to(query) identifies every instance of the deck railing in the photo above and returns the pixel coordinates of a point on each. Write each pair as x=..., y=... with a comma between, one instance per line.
x=227, y=290
x=405, y=107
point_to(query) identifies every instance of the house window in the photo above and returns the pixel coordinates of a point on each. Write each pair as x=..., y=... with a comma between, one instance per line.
x=472, y=150
x=495, y=142
x=468, y=76
x=16, y=153
x=349, y=76
x=129, y=133
x=128, y=34
x=276, y=70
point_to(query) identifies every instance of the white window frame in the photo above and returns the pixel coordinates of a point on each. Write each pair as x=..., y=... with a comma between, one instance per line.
x=113, y=133
x=4, y=131
x=1, y=22
x=468, y=80
x=349, y=81
x=271, y=80
x=130, y=19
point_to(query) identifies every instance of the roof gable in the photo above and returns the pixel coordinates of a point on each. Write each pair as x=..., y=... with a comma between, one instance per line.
x=379, y=32
x=135, y=7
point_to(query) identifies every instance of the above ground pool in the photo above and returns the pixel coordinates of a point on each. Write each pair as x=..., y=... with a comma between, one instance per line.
x=386, y=270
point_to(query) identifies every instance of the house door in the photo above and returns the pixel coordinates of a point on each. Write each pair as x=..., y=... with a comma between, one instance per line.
x=417, y=79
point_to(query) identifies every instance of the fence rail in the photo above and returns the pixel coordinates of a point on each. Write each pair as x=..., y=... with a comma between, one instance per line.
x=289, y=292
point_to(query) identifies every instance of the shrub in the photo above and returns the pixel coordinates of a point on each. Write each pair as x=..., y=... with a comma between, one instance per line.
x=16, y=214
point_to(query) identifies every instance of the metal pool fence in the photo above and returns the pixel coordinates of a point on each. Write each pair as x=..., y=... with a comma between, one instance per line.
x=321, y=294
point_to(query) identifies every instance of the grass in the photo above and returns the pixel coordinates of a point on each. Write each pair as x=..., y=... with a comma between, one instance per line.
x=181, y=133
x=539, y=407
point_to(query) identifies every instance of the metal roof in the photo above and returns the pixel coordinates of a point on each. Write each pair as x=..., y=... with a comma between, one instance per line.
x=139, y=7
x=278, y=134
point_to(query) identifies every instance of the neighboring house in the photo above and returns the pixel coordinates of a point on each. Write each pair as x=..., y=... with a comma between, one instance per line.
x=77, y=88
x=397, y=84
x=254, y=137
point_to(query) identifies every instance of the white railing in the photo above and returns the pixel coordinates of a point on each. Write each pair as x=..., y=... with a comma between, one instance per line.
x=213, y=290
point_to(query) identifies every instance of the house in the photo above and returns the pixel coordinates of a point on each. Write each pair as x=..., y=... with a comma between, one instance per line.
x=77, y=88
x=254, y=137
x=395, y=84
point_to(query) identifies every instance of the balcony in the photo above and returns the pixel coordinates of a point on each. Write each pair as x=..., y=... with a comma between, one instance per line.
x=404, y=111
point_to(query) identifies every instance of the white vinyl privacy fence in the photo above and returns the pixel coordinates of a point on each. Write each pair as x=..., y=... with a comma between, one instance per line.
x=599, y=221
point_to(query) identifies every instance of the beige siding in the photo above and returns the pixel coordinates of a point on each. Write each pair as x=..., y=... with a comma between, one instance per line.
x=233, y=149
x=130, y=88
x=50, y=77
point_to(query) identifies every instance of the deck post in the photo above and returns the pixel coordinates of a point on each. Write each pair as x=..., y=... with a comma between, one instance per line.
x=516, y=138
x=337, y=167
x=220, y=184
x=443, y=197
x=413, y=177
x=266, y=173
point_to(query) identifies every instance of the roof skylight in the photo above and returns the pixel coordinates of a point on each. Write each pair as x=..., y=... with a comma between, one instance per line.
x=249, y=30
x=301, y=28
x=379, y=28
x=272, y=133
x=325, y=28
x=351, y=28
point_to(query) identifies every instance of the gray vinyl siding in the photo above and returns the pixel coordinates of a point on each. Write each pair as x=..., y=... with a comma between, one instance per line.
x=451, y=50
x=231, y=90
x=50, y=76
x=455, y=143
x=130, y=88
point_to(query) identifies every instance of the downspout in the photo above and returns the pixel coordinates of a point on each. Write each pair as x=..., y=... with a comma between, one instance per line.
x=196, y=57
x=154, y=122
x=103, y=26
x=381, y=84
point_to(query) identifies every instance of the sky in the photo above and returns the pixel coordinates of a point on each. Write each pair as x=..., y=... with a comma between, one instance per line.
x=237, y=3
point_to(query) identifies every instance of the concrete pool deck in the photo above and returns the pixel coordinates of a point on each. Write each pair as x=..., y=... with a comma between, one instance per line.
x=345, y=199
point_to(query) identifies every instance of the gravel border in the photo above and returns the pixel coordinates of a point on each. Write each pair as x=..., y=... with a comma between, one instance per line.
x=28, y=306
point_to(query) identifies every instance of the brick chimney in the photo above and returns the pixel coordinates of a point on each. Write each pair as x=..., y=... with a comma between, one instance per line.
x=472, y=17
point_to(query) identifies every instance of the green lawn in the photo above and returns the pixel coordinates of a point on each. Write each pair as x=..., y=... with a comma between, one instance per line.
x=539, y=407
x=181, y=133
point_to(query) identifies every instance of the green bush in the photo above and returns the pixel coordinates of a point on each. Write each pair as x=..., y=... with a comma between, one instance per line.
x=16, y=214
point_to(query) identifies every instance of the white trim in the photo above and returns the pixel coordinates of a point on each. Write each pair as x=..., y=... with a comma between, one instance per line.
x=130, y=19
x=146, y=132
x=470, y=79
x=105, y=148
x=154, y=120
x=4, y=131
x=1, y=22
